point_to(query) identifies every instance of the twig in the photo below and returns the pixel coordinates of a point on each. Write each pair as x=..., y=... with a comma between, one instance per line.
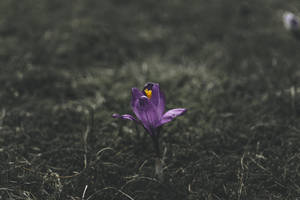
x=259, y=165
x=241, y=177
x=104, y=149
x=142, y=165
x=3, y=114
x=6, y=189
x=84, y=137
x=111, y=188
x=83, y=194
x=137, y=178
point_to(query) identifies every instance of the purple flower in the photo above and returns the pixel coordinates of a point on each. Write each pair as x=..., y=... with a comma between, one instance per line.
x=290, y=21
x=149, y=108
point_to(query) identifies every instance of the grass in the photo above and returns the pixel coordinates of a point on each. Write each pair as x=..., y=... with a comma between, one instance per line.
x=67, y=66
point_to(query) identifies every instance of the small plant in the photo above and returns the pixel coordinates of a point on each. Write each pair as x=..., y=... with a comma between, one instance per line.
x=290, y=21
x=148, y=106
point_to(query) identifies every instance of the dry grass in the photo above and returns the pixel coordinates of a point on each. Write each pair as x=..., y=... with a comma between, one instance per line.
x=231, y=64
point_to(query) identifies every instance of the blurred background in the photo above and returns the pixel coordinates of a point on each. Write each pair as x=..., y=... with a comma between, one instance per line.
x=67, y=66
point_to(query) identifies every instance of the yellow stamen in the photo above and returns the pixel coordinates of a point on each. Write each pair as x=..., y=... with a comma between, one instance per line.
x=148, y=93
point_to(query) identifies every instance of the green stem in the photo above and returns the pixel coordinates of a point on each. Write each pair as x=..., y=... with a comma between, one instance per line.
x=158, y=159
x=155, y=139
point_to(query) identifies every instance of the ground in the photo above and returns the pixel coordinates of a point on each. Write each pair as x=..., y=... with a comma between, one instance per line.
x=67, y=66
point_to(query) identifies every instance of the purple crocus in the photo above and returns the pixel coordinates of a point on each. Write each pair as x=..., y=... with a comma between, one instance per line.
x=148, y=106
x=290, y=21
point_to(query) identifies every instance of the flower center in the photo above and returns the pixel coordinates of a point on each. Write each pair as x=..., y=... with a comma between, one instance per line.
x=148, y=93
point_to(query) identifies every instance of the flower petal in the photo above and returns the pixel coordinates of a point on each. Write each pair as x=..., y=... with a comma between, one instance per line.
x=290, y=21
x=158, y=99
x=171, y=114
x=126, y=116
x=146, y=113
x=136, y=94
